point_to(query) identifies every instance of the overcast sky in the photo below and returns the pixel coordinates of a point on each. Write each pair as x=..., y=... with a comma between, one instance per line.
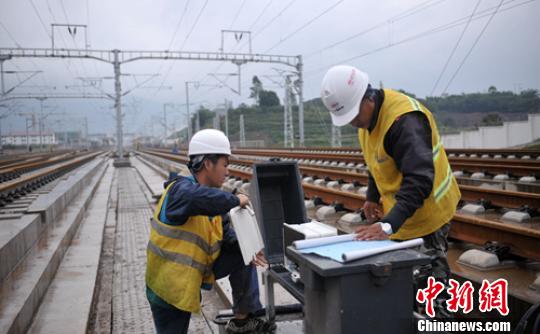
x=403, y=44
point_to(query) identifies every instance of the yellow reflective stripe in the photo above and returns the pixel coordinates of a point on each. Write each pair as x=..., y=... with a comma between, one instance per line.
x=185, y=236
x=179, y=259
x=443, y=188
x=415, y=105
x=437, y=149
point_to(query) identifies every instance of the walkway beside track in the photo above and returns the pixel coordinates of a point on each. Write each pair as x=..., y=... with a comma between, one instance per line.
x=130, y=308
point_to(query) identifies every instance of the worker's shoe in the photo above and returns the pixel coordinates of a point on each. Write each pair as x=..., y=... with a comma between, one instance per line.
x=250, y=325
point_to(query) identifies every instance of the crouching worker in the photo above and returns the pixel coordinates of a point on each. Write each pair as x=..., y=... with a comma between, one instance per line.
x=191, y=246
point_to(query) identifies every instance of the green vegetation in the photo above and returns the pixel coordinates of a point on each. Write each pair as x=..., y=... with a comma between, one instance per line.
x=493, y=101
x=264, y=120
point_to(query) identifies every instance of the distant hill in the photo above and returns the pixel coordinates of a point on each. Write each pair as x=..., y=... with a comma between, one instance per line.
x=453, y=112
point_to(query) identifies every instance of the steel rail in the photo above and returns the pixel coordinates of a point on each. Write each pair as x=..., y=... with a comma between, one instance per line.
x=494, y=197
x=457, y=151
x=515, y=167
x=490, y=166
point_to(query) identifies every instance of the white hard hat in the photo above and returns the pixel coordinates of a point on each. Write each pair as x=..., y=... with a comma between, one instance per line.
x=342, y=90
x=209, y=141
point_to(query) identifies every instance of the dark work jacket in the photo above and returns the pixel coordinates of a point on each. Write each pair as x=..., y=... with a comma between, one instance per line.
x=408, y=142
x=187, y=198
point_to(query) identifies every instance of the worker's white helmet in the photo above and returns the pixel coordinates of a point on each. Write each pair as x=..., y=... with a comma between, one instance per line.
x=209, y=141
x=342, y=90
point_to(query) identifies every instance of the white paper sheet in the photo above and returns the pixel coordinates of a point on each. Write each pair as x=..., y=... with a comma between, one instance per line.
x=313, y=229
x=358, y=254
x=345, y=248
x=301, y=244
x=247, y=232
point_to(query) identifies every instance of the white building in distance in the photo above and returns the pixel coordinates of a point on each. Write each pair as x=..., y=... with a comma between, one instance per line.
x=22, y=139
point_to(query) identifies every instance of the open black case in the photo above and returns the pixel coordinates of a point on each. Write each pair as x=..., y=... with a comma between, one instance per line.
x=277, y=197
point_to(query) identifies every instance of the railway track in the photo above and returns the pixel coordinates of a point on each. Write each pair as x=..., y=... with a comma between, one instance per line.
x=17, y=167
x=512, y=167
x=523, y=238
x=463, y=152
x=30, y=181
x=490, y=197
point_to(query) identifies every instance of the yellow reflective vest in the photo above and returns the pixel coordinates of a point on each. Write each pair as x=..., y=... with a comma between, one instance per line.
x=180, y=258
x=440, y=206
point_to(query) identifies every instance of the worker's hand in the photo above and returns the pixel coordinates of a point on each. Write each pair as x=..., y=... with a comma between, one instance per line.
x=244, y=200
x=370, y=232
x=259, y=259
x=373, y=211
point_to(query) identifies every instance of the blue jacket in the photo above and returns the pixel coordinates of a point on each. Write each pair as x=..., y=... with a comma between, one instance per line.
x=188, y=198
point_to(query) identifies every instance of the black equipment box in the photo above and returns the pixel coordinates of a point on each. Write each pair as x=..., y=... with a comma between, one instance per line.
x=277, y=197
x=371, y=295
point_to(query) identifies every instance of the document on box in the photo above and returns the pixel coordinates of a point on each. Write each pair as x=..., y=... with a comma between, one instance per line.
x=247, y=232
x=344, y=248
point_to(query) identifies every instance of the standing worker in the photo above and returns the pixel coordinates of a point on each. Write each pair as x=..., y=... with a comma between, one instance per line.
x=190, y=245
x=409, y=172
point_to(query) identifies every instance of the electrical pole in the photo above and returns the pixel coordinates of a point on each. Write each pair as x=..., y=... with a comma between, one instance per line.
x=289, y=125
x=165, y=124
x=86, y=144
x=3, y=58
x=197, y=118
x=227, y=118
x=300, y=89
x=27, y=137
x=165, y=121
x=286, y=114
x=40, y=122
x=336, y=136
x=1, y=117
x=118, y=105
x=65, y=138
x=188, y=115
x=242, y=132
x=288, y=101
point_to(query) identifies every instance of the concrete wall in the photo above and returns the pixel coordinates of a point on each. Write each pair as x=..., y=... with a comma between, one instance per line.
x=507, y=135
